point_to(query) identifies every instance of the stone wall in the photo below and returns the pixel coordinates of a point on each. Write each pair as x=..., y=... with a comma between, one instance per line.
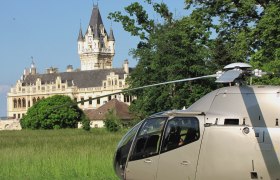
x=11, y=124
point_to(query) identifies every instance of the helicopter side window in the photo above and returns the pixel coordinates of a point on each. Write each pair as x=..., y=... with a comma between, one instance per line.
x=147, y=142
x=179, y=132
x=123, y=150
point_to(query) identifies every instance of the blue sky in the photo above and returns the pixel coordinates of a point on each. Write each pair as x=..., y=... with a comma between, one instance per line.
x=47, y=30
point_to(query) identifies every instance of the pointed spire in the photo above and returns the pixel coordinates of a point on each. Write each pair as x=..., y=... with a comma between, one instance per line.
x=32, y=63
x=80, y=37
x=111, y=35
x=95, y=19
x=96, y=32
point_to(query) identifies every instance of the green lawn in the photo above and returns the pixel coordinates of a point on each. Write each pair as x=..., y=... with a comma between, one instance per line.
x=57, y=154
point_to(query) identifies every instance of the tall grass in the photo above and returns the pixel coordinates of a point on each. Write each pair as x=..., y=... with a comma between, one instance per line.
x=57, y=154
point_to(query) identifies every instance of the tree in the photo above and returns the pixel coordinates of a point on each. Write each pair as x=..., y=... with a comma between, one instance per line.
x=53, y=112
x=112, y=121
x=175, y=49
x=248, y=30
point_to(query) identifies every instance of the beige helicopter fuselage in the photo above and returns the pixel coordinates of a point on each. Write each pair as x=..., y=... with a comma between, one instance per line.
x=238, y=137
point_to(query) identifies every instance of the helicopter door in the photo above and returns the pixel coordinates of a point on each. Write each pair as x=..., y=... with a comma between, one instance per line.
x=180, y=148
x=144, y=157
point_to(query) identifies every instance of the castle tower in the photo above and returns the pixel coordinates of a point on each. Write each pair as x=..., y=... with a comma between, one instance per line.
x=96, y=48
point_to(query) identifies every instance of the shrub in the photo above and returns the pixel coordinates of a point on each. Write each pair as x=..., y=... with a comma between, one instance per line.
x=112, y=121
x=52, y=113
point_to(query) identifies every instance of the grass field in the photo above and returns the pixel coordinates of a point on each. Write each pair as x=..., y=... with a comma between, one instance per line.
x=57, y=154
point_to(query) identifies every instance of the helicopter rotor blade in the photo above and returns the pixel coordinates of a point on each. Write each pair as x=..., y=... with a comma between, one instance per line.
x=137, y=88
x=151, y=85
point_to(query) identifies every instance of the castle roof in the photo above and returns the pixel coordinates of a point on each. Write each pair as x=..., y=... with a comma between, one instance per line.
x=121, y=110
x=81, y=79
x=95, y=19
x=111, y=35
x=80, y=37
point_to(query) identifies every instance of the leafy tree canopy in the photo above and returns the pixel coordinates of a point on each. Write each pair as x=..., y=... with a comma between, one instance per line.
x=53, y=112
x=215, y=34
x=175, y=49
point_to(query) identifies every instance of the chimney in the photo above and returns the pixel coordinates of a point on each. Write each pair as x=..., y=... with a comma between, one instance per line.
x=69, y=68
x=33, y=68
x=125, y=66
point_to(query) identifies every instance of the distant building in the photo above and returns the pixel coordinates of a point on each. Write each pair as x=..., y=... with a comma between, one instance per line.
x=97, y=116
x=96, y=76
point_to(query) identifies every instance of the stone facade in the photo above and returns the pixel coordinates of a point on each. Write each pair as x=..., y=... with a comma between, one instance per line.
x=95, y=78
x=96, y=48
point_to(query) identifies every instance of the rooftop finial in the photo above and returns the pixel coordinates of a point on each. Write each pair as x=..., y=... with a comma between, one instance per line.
x=94, y=3
x=32, y=63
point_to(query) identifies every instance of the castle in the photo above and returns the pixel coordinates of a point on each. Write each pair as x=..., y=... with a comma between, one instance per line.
x=96, y=76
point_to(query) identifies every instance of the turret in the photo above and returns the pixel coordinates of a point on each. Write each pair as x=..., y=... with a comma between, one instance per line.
x=96, y=42
x=111, y=41
x=125, y=66
x=98, y=48
x=80, y=41
x=33, y=68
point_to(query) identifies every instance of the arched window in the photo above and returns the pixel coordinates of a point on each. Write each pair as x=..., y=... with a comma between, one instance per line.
x=28, y=103
x=23, y=102
x=15, y=103
x=19, y=103
x=34, y=100
x=38, y=98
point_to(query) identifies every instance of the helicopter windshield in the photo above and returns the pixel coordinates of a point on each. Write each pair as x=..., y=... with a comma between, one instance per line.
x=123, y=150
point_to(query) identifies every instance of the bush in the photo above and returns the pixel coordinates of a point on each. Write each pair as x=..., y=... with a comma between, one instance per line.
x=54, y=112
x=112, y=121
x=85, y=123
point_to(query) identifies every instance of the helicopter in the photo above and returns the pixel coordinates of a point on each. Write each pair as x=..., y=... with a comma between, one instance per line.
x=230, y=133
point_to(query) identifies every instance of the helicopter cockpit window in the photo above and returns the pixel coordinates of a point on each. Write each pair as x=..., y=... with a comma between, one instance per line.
x=180, y=131
x=147, y=142
x=123, y=150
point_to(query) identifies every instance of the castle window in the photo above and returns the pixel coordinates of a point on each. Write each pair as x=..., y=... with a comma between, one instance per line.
x=23, y=102
x=28, y=103
x=15, y=103
x=98, y=101
x=127, y=98
x=15, y=116
x=109, y=98
x=19, y=103
x=82, y=101
x=90, y=101
x=38, y=99
x=34, y=100
x=104, y=84
x=18, y=116
x=116, y=82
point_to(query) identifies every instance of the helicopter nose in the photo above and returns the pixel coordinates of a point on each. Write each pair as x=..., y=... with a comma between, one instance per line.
x=118, y=165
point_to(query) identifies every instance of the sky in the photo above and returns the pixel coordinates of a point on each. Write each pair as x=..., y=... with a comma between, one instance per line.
x=47, y=30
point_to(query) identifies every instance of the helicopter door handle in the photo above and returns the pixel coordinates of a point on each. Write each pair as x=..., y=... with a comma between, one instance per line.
x=185, y=163
x=148, y=161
